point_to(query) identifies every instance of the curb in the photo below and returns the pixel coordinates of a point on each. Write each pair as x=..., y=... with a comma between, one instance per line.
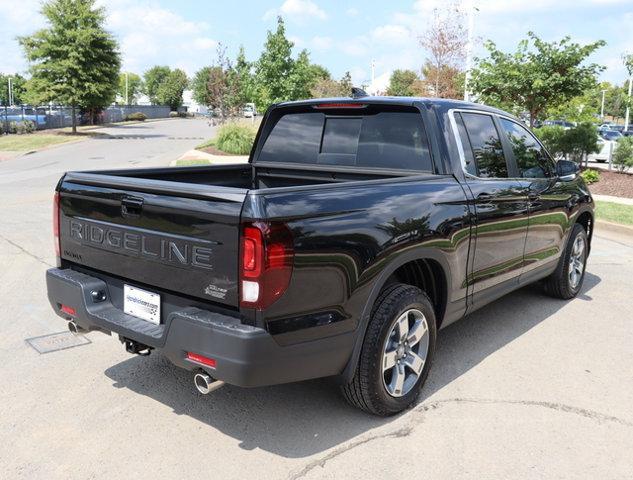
x=47, y=147
x=602, y=225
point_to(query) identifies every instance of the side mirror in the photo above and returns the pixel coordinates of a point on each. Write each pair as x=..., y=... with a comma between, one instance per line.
x=566, y=170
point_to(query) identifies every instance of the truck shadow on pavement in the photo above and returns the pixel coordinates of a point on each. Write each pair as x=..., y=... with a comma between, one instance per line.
x=302, y=419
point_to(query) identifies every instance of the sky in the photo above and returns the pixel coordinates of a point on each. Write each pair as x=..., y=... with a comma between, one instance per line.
x=342, y=35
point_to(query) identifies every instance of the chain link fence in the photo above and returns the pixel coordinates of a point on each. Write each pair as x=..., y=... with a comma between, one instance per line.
x=59, y=116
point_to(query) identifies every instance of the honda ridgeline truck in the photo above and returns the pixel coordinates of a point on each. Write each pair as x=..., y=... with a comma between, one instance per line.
x=358, y=229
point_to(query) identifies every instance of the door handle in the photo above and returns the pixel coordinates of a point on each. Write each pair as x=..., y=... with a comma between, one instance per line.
x=131, y=206
x=485, y=197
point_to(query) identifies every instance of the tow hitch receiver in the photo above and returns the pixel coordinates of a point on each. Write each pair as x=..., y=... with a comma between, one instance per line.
x=134, y=347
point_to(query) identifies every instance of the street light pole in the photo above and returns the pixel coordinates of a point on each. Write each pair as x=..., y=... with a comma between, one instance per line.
x=469, y=46
x=602, y=107
x=628, y=64
x=628, y=108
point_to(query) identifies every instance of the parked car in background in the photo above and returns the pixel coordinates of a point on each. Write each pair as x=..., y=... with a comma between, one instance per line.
x=559, y=123
x=610, y=135
x=249, y=110
x=603, y=155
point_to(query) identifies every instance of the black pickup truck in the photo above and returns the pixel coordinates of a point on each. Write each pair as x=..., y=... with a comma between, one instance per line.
x=359, y=228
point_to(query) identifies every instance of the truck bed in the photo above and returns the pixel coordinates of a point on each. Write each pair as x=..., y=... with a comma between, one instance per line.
x=238, y=176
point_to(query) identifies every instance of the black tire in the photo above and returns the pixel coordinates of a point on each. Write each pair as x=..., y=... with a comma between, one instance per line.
x=367, y=389
x=558, y=284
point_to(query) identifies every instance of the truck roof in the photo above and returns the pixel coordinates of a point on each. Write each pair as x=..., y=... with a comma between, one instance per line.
x=441, y=103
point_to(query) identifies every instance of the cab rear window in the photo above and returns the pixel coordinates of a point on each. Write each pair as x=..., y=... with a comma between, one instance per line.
x=384, y=139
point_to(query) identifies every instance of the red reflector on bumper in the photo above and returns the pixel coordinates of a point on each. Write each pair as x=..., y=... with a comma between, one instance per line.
x=68, y=310
x=194, y=357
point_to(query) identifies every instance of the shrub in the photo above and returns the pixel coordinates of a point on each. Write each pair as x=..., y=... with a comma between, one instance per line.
x=178, y=114
x=580, y=141
x=136, y=116
x=623, y=154
x=173, y=114
x=575, y=142
x=590, y=176
x=552, y=138
x=235, y=138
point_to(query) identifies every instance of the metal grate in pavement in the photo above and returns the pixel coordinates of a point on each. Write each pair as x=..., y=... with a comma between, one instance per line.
x=57, y=341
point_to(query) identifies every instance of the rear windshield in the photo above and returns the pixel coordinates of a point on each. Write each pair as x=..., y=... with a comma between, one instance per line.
x=394, y=140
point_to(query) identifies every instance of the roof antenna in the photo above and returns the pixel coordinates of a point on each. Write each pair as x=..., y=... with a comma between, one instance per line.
x=358, y=92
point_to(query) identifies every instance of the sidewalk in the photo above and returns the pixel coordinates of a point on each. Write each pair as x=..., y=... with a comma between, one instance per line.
x=207, y=158
x=610, y=198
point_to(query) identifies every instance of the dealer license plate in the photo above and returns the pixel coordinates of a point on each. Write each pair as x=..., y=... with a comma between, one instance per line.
x=141, y=304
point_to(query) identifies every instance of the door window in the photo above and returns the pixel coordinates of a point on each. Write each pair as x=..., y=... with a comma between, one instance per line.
x=532, y=160
x=485, y=144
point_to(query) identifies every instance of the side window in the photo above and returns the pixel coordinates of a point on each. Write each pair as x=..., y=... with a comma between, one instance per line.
x=532, y=160
x=486, y=145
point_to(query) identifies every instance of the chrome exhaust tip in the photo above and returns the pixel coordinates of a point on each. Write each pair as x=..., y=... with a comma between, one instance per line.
x=76, y=329
x=205, y=383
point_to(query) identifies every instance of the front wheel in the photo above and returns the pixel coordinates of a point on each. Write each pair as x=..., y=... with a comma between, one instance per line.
x=567, y=279
x=397, y=352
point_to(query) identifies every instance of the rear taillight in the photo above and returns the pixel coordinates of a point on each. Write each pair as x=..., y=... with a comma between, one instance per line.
x=266, y=257
x=56, y=223
x=68, y=310
x=195, y=357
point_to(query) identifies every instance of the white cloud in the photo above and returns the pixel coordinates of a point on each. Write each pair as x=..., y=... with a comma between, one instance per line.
x=352, y=12
x=152, y=35
x=357, y=46
x=392, y=34
x=204, y=43
x=297, y=10
x=322, y=43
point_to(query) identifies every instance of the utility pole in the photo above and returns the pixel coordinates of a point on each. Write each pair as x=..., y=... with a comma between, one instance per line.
x=469, y=46
x=628, y=63
x=127, y=101
x=373, y=74
x=602, y=107
x=628, y=107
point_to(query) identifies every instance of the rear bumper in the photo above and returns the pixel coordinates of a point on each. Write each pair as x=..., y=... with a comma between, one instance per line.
x=245, y=355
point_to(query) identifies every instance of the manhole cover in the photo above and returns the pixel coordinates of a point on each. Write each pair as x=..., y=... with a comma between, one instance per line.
x=57, y=341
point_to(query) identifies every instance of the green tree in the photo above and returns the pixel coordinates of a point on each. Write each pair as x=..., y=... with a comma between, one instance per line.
x=18, y=87
x=274, y=68
x=623, y=154
x=153, y=78
x=404, y=83
x=244, y=78
x=199, y=84
x=74, y=60
x=304, y=77
x=130, y=88
x=223, y=86
x=537, y=78
x=328, y=88
x=170, y=90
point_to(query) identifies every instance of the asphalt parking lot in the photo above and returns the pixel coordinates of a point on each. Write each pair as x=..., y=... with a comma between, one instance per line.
x=528, y=387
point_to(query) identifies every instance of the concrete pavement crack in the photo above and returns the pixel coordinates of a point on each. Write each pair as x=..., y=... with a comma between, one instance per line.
x=24, y=250
x=425, y=407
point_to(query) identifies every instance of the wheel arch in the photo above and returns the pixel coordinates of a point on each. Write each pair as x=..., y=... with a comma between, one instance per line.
x=586, y=219
x=422, y=265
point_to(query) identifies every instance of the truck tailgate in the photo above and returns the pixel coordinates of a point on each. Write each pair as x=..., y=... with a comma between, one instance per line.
x=154, y=236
